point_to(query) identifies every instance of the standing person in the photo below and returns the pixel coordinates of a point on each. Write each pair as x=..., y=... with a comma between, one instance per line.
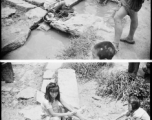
x=131, y=8
x=133, y=68
x=52, y=106
x=135, y=112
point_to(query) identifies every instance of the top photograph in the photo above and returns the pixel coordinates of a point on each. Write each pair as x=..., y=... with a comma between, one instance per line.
x=75, y=29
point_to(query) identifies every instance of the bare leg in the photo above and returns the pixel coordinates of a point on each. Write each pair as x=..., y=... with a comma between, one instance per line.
x=133, y=27
x=120, y=14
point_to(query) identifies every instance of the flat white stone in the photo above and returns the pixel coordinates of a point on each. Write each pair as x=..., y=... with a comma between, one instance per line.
x=53, y=66
x=45, y=83
x=21, y=4
x=36, y=12
x=68, y=87
x=48, y=74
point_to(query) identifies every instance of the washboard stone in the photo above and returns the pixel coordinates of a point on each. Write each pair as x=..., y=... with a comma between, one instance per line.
x=68, y=87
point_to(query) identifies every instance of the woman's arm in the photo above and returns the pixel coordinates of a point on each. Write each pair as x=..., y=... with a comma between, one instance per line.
x=70, y=108
x=122, y=115
x=52, y=113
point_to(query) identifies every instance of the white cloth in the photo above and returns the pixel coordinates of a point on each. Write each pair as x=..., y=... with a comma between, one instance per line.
x=141, y=113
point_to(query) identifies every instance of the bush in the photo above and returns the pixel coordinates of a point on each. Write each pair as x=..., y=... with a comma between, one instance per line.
x=120, y=85
x=80, y=47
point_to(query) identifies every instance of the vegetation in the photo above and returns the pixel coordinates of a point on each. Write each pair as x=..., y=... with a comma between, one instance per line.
x=80, y=47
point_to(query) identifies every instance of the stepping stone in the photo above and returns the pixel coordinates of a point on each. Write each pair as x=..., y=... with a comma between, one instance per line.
x=45, y=83
x=31, y=112
x=68, y=87
x=20, y=4
x=26, y=93
x=48, y=74
x=36, y=2
x=6, y=12
x=36, y=12
x=53, y=66
x=39, y=97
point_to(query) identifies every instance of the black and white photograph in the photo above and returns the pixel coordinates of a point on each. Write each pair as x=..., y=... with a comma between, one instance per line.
x=75, y=29
x=75, y=90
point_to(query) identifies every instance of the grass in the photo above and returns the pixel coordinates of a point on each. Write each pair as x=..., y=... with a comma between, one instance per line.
x=80, y=47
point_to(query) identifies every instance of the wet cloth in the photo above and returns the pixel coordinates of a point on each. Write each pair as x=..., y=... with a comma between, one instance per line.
x=134, y=5
x=46, y=105
x=141, y=113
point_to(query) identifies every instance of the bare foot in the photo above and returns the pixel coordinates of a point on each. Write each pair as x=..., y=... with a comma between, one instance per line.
x=116, y=45
x=127, y=40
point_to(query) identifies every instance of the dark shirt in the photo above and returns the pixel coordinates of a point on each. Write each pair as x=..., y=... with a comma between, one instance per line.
x=132, y=4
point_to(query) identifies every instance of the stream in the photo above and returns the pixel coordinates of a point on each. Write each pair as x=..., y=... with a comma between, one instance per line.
x=46, y=45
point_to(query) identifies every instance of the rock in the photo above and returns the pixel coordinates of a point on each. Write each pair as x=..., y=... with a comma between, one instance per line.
x=77, y=24
x=7, y=88
x=68, y=87
x=70, y=2
x=45, y=83
x=14, y=43
x=6, y=12
x=26, y=93
x=15, y=90
x=9, y=22
x=36, y=12
x=32, y=112
x=20, y=4
x=36, y=2
x=39, y=96
x=14, y=103
x=53, y=66
x=43, y=26
x=48, y=74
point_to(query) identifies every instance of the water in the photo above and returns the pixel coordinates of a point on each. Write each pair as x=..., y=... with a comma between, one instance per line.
x=46, y=45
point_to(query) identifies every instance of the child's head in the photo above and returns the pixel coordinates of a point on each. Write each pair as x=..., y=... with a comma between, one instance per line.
x=52, y=92
x=133, y=103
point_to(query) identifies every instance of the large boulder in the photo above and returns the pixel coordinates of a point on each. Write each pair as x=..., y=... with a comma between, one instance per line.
x=77, y=24
x=68, y=87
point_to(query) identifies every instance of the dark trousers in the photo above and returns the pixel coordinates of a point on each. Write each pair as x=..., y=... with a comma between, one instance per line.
x=133, y=67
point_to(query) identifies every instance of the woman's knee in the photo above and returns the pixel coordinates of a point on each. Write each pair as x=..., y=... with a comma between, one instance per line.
x=117, y=19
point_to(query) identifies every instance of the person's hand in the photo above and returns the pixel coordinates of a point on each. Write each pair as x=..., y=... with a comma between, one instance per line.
x=72, y=113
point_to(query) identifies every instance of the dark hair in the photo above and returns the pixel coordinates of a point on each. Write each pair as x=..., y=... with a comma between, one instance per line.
x=52, y=87
x=135, y=102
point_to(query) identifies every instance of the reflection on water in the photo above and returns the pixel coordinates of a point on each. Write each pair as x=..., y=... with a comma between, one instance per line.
x=46, y=45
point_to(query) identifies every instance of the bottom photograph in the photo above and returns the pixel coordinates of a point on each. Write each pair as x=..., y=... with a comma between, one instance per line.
x=75, y=90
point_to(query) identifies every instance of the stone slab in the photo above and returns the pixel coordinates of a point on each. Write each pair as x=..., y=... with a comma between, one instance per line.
x=48, y=74
x=26, y=93
x=20, y=4
x=77, y=24
x=45, y=83
x=6, y=12
x=31, y=112
x=53, y=66
x=70, y=2
x=39, y=97
x=36, y=12
x=36, y=2
x=68, y=87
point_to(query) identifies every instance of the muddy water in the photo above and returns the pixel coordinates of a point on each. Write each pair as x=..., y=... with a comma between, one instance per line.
x=46, y=45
